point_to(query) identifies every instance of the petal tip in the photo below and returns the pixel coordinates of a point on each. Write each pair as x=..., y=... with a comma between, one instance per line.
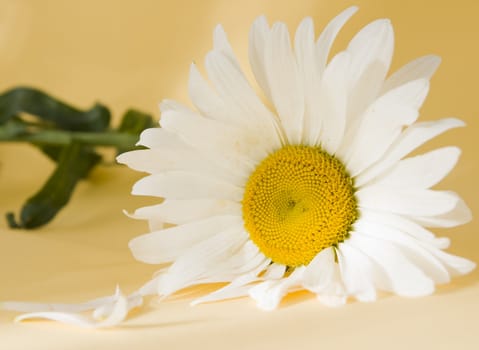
x=260, y=20
x=353, y=8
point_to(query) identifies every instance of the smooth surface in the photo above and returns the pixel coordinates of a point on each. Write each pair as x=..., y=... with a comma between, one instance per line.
x=135, y=53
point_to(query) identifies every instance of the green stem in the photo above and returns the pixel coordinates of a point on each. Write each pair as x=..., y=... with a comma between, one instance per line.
x=66, y=135
x=64, y=138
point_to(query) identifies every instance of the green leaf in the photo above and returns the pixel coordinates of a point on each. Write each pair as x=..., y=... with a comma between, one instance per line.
x=75, y=162
x=49, y=109
x=67, y=136
x=134, y=122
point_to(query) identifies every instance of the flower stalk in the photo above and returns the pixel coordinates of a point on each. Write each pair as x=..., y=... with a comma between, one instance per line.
x=63, y=138
x=66, y=135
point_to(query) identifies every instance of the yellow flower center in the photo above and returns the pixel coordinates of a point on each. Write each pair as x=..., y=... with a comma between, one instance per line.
x=298, y=201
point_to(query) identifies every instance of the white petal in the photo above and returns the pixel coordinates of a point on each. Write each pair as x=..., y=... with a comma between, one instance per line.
x=241, y=261
x=401, y=276
x=206, y=100
x=221, y=43
x=459, y=215
x=115, y=318
x=421, y=68
x=334, y=293
x=373, y=43
x=389, y=114
x=154, y=224
x=166, y=245
x=247, y=259
x=155, y=161
x=327, y=128
x=183, y=211
x=258, y=36
x=269, y=293
x=406, y=226
x=413, y=250
x=320, y=271
x=245, y=104
x=274, y=271
x=208, y=258
x=237, y=288
x=230, y=108
x=150, y=287
x=333, y=299
x=168, y=105
x=22, y=306
x=328, y=35
x=371, y=52
x=106, y=310
x=184, y=185
x=306, y=56
x=234, y=148
x=357, y=273
x=413, y=137
x=284, y=82
x=115, y=315
x=237, y=262
x=422, y=171
x=159, y=138
x=456, y=265
x=416, y=202
x=322, y=277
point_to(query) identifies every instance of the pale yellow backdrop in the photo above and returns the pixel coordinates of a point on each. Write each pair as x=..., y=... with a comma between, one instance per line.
x=135, y=53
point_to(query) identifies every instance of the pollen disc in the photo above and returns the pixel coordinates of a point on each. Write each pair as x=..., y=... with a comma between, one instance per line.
x=298, y=201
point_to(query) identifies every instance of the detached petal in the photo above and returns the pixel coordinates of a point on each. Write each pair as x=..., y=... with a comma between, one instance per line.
x=109, y=311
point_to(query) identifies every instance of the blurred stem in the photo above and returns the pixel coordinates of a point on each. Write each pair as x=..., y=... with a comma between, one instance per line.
x=63, y=138
x=68, y=136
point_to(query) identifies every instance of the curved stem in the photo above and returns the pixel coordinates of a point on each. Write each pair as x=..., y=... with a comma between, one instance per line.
x=63, y=138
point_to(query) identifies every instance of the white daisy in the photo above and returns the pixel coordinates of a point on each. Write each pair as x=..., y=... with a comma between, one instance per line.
x=313, y=193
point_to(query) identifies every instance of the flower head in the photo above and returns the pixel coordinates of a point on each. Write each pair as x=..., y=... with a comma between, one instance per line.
x=313, y=193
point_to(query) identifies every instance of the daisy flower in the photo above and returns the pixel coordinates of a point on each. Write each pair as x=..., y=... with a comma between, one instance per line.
x=306, y=185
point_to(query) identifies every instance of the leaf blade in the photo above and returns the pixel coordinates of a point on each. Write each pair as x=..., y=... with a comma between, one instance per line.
x=50, y=109
x=75, y=162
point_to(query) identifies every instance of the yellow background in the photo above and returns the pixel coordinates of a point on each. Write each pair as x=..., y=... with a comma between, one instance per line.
x=135, y=53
